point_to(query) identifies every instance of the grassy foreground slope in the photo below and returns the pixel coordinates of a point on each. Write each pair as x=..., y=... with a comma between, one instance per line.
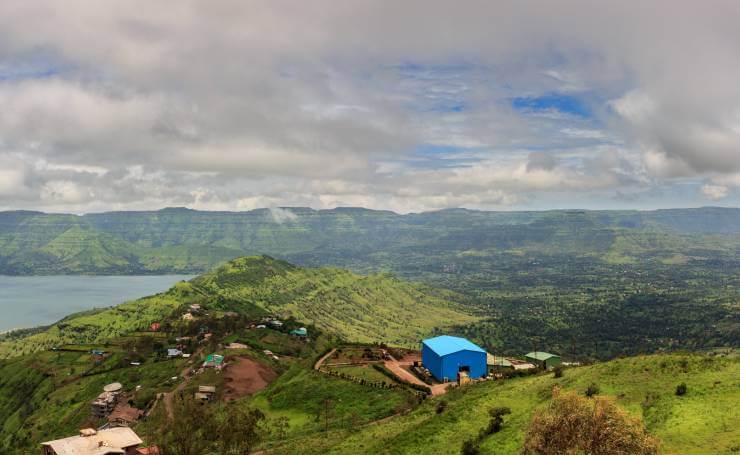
x=357, y=308
x=705, y=420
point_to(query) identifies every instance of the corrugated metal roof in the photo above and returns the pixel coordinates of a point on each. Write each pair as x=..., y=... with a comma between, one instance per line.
x=446, y=344
x=113, y=441
x=497, y=360
x=540, y=355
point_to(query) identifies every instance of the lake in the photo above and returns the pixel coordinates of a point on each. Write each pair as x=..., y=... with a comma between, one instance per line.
x=41, y=300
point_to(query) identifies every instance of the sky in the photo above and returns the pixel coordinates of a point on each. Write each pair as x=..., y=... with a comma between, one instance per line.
x=405, y=106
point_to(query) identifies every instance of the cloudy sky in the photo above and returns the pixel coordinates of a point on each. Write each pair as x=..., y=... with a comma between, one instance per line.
x=401, y=105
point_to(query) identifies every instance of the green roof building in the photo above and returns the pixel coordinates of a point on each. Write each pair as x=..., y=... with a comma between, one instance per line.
x=214, y=361
x=544, y=360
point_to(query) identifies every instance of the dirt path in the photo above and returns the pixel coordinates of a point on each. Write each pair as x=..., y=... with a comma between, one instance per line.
x=168, y=396
x=396, y=367
x=323, y=359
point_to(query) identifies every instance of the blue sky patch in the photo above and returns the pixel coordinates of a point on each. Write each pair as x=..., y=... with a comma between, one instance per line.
x=563, y=103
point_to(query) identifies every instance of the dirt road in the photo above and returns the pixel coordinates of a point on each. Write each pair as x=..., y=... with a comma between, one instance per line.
x=323, y=359
x=397, y=367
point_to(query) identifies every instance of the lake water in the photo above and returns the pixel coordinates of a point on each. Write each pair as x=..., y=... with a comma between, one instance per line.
x=40, y=300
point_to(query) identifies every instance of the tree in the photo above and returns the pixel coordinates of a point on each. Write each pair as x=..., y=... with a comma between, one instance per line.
x=239, y=430
x=681, y=389
x=190, y=429
x=572, y=424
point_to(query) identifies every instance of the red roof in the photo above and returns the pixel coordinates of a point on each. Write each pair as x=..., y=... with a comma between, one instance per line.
x=153, y=450
x=155, y=326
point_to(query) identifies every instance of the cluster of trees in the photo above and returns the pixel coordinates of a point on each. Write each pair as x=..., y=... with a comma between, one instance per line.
x=196, y=429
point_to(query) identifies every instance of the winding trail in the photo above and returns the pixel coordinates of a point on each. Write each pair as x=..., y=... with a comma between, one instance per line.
x=321, y=361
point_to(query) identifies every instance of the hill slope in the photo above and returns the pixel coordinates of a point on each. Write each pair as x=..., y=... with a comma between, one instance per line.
x=358, y=308
x=705, y=420
x=173, y=240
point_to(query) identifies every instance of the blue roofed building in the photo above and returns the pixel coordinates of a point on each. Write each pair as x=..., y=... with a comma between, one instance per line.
x=446, y=357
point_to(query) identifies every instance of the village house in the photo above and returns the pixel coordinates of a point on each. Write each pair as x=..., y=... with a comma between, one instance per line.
x=106, y=401
x=205, y=392
x=214, y=361
x=118, y=441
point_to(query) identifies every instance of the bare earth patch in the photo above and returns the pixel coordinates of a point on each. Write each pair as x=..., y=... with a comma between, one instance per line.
x=243, y=376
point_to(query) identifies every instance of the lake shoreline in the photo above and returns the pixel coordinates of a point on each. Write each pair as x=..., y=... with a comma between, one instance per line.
x=29, y=302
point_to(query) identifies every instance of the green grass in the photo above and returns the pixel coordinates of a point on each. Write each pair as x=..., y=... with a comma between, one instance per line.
x=366, y=372
x=299, y=395
x=705, y=420
x=375, y=308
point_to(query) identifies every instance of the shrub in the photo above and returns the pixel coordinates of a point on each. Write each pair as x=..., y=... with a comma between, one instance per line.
x=573, y=424
x=558, y=371
x=681, y=389
x=470, y=447
x=497, y=420
x=441, y=406
x=592, y=389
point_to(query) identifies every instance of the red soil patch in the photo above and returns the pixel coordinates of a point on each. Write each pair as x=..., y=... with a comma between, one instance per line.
x=244, y=376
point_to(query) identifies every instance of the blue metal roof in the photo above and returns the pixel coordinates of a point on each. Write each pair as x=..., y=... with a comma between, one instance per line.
x=445, y=344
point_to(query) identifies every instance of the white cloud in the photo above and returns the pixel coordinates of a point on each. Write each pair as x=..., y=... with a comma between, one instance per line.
x=715, y=192
x=264, y=104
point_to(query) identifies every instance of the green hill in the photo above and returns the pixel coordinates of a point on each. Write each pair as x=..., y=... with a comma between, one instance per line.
x=705, y=420
x=414, y=245
x=357, y=308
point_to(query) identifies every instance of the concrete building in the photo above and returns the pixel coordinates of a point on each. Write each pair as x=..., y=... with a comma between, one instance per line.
x=446, y=357
x=111, y=441
x=106, y=401
x=543, y=360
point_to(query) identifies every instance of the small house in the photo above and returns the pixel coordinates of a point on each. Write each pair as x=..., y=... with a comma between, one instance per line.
x=301, y=333
x=214, y=361
x=205, y=392
x=173, y=352
x=543, y=360
x=118, y=441
x=155, y=326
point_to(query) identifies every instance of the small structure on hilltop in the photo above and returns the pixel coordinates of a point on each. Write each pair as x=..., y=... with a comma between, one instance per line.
x=205, y=392
x=300, y=333
x=214, y=361
x=446, y=357
x=106, y=401
x=119, y=441
x=543, y=360
x=171, y=352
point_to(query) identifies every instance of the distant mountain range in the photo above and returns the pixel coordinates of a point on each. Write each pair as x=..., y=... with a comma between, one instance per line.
x=179, y=240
